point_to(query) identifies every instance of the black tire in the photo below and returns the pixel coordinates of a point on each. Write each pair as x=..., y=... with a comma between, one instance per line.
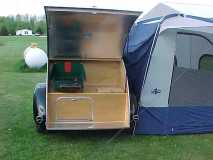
x=39, y=122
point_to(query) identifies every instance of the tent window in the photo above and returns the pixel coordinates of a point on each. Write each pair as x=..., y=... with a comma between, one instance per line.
x=192, y=78
x=206, y=62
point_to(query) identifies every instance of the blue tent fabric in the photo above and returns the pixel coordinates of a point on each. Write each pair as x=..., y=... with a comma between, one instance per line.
x=138, y=49
x=174, y=120
x=200, y=18
x=139, y=35
x=136, y=54
x=159, y=120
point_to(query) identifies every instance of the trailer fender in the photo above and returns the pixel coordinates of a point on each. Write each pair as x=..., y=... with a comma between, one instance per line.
x=39, y=102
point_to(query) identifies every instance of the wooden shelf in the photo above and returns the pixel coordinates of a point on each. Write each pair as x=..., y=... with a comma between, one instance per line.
x=86, y=59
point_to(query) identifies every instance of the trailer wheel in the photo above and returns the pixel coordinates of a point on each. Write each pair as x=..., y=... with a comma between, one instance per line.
x=38, y=120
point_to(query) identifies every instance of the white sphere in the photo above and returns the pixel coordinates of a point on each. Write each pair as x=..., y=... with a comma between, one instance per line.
x=25, y=51
x=35, y=57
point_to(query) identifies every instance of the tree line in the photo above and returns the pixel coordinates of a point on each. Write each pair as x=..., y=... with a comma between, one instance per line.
x=10, y=24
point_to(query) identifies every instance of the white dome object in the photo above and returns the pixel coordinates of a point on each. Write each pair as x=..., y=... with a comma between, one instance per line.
x=26, y=50
x=35, y=57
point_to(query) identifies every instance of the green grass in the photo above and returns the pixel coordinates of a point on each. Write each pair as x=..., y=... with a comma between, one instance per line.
x=21, y=66
x=20, y=141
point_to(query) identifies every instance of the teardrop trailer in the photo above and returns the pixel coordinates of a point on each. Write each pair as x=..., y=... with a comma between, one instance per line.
x=86, y=87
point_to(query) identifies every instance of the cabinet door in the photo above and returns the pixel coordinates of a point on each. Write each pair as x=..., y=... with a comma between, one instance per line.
x=74, y=109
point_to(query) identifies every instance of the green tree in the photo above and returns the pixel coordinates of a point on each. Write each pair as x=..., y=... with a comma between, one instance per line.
x=4, y=31
x=39, y=30
x=10, y=24
x=32, y=23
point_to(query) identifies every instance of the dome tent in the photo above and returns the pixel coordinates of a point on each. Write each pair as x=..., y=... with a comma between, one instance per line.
x=162, y=56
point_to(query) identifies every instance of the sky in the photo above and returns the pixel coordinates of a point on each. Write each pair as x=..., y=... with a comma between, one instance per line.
x=201, y=8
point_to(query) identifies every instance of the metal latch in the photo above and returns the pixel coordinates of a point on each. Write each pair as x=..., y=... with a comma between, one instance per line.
x=136, y=117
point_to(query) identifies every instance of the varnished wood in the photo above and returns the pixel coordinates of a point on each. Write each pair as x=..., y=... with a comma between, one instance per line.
x=107, y=108
x=102, y=75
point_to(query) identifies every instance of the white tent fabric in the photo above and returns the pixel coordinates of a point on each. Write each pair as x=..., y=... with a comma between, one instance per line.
x=160, y=10
x=187, y=23
x=159, y=73
x=182, y=37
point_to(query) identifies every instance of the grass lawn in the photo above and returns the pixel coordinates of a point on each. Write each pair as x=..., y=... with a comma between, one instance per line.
x=20, y=141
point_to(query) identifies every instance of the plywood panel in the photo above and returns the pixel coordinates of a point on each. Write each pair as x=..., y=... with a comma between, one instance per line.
x=107, y=107
x=102, y=76
x=68, y=109
x=105, y=86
